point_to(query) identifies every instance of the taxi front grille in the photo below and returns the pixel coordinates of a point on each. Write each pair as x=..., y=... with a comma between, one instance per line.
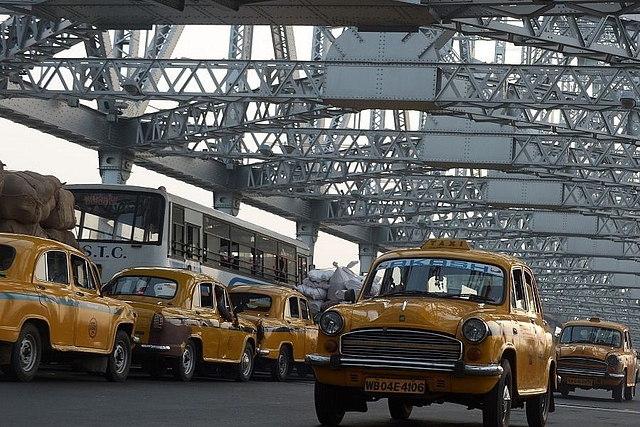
x=581, y=366
x=400, y=344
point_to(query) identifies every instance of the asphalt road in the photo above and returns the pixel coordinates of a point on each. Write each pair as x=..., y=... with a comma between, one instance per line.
x=59, y=398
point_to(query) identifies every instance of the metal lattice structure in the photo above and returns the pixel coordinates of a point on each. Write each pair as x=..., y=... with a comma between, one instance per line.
x=409, y=120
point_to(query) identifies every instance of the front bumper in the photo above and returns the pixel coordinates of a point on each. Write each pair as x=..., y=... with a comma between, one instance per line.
x=456, y=368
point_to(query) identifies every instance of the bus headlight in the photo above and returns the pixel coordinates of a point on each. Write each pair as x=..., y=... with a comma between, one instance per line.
x=331, y=322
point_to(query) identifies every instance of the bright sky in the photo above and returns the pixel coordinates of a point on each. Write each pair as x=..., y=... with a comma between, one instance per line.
x=24, y=148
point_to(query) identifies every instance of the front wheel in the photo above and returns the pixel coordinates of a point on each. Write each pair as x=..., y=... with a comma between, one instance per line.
x=245, y=367
x=618, y=390
x=538, y=407
x=497, y=403
x=185, y=366
x=25, y=354
x=398, y=409
x=329, y=405
x=281, y=366
x=119, y=361
x=629, y=392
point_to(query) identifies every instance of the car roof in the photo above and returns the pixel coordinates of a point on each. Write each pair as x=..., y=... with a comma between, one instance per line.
x=452, y=248
x=169, y=272
x=595, y=322
x=271, y=290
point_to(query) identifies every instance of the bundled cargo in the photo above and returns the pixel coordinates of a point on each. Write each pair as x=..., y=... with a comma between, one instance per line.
x=37, y=205
x=327, y=287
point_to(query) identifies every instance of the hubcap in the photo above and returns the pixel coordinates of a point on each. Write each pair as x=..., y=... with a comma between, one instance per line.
x=120, y=358
x=27, y=353
x=187, y=361
x=506, y=401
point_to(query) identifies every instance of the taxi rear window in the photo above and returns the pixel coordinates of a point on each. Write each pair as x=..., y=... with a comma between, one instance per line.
x=157, y=287
x=7, y=255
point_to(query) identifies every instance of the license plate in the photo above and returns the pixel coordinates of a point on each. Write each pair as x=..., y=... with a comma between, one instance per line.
x=579, y=381
x=390, y=385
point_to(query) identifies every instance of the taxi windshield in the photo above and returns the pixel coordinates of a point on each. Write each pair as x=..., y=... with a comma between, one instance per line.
x=587, y=334
x=437, y=277
x=249, y=301
x=148, y=286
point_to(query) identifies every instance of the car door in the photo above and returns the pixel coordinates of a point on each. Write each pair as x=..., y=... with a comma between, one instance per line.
x=296, y=328
x=539, y=330
x=207, y=318
x=524, y=334
x=51, y=279
x=231, y=336
x=94, y=318
x=310, y=328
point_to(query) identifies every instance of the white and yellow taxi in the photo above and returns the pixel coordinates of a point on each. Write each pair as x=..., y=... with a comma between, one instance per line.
x=439, y=323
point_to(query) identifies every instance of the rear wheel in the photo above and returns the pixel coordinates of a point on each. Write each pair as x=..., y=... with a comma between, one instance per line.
x=245, y=367
x=185, y=366
x=497, y=403
x=25, y=354
x=538, y=407
x=399, y=409
x=281, y=366
x=329, y=405
x=119, y=361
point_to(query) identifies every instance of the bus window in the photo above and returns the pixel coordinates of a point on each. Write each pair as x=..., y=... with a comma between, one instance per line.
x=269, y=248
x=257, y=266
x=192, y=247
x=303, y=268
x=243, y=242
x=177, y=231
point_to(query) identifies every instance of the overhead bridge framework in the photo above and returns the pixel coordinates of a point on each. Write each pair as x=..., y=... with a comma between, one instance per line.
x=398, y=128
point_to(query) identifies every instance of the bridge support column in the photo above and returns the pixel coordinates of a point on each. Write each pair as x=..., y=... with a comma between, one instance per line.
x=227, y=202
x=115, y=166
x=366, y=253
x=307, y=232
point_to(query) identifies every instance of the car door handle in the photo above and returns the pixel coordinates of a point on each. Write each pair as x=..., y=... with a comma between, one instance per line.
x=80, y=294
x=40, y=288
x=515, y=331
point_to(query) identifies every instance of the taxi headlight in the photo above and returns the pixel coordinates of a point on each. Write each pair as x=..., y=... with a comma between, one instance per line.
x=612, y=360
x=331, y=322
x=475, y=330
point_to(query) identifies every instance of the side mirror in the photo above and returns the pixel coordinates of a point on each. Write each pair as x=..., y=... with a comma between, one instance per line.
x=350, y=295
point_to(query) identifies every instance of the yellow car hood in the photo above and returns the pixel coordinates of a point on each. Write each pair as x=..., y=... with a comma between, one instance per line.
x=442, y=315
x=583, y=350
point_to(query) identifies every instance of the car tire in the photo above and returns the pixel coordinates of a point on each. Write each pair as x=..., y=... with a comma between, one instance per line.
x=537, y=407
x=25, y=354
x=185, y=366
x=618, y=391
x=496, y=410
x=156, y=367
x=399, y=409
x=329, y=404
x=281, y=366
x=629, y=392
x=119, y=361
x=564, y=390
x=303, y=370
x=244, y=369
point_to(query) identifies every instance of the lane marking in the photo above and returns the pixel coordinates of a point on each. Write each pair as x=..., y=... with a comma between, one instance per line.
x=595, y=408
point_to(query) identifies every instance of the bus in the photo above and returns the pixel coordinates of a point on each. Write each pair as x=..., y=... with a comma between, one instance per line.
x=120, y=226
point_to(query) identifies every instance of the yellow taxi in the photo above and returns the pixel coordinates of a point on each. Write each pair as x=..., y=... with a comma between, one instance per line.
x=50, y=305
x=286, y=330
x=439, y=323
x=185, y=322
x=597, y=354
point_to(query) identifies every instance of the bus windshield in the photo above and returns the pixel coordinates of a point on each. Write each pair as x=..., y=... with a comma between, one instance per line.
x=119, y=216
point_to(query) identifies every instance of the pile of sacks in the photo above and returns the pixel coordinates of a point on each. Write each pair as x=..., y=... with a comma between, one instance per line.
x=326, y=287
x=37, y=205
